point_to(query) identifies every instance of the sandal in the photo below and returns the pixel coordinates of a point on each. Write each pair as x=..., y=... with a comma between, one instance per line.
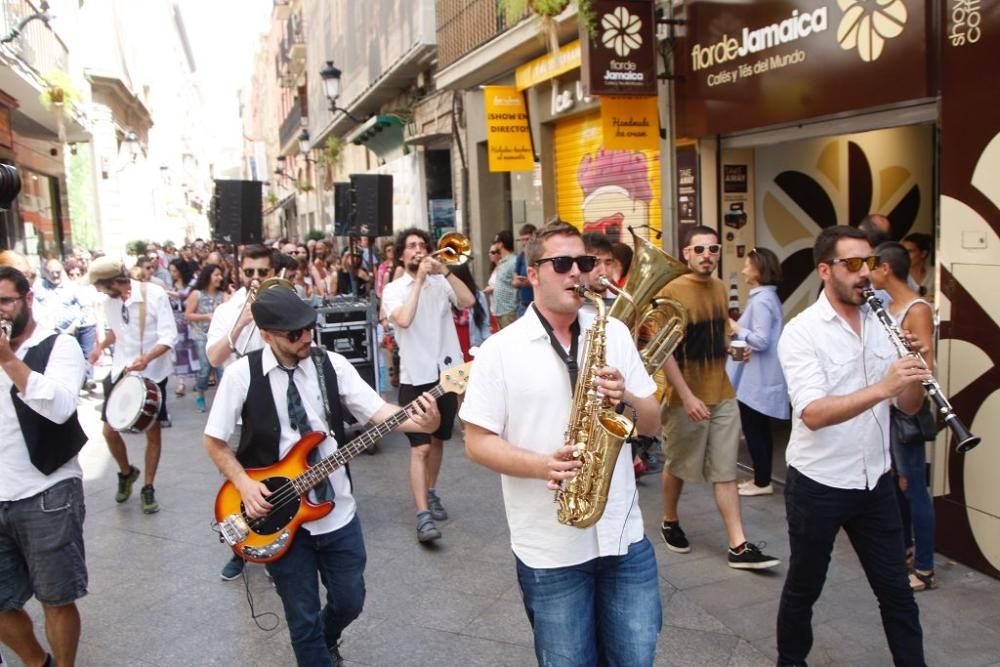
x=180, y=389
x=921, y=581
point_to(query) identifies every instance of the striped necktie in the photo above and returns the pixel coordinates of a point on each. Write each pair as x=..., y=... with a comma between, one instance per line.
x=300, y=422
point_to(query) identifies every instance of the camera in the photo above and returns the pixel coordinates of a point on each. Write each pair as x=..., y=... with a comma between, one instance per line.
x=10, y=185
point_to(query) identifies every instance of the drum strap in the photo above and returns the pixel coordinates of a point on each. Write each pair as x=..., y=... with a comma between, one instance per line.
x=142, y=317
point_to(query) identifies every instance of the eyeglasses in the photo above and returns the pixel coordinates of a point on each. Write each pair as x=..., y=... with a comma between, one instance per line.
x=853, y=264
x=299, y=252
x=494, y=252
x=8, y=301
x=293, y=336
x=261, y=273
x=713, y=248
x=563, y=264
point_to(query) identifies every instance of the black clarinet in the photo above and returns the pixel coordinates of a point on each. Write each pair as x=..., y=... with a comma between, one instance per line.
x=966, y=440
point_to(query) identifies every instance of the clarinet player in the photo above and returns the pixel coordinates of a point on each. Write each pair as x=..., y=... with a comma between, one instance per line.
x=843, y=374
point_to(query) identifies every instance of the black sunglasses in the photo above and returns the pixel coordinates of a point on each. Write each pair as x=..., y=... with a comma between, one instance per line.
x=294, y=335
x=853, y=264
x=261, y=273
x=713, y=248
x=563, y=264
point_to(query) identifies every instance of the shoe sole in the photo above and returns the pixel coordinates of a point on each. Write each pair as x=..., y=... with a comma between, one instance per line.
x=763, y=565
x=676, y=550
x=423, y=539
x=151, y=510
x=232, y=578
x=749, y=493
x=443, y=516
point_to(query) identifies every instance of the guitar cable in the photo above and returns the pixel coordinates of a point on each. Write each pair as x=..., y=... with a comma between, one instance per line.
x=253, y=613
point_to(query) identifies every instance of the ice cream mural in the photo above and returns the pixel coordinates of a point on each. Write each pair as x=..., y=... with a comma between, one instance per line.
x=604, y=190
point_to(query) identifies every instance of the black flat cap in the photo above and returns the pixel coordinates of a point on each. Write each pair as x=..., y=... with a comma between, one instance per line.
x=280, y=309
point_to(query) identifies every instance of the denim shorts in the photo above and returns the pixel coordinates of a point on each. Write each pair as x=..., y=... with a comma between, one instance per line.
x=41, y=547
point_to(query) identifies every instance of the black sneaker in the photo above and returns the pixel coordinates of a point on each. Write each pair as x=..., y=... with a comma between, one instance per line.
x=148, y=497
x=125, y=483
x=752, y=558
x=674, y=537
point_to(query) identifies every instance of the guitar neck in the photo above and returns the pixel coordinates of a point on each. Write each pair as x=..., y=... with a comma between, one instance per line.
x=316, y=473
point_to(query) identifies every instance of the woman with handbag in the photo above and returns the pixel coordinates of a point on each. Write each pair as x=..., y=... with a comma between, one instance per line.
x=909, y=433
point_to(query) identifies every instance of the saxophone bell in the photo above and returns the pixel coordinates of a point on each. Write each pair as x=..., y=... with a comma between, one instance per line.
x=6, y=326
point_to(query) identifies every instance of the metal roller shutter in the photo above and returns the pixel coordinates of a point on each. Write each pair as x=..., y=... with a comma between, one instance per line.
x=601, y=190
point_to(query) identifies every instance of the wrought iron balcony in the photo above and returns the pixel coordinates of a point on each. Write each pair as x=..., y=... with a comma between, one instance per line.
x=288, y=133
x=463, y=25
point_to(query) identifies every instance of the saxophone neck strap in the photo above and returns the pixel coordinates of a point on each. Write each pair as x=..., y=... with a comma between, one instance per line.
x=568, y=358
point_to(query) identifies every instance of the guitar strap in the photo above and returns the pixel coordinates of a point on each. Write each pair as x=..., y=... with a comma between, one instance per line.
x=334, y=416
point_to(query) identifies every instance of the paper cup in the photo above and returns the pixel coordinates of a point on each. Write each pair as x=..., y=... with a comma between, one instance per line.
x=738, y=348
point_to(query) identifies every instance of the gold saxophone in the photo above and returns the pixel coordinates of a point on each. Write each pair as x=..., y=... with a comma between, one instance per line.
x=595, y=431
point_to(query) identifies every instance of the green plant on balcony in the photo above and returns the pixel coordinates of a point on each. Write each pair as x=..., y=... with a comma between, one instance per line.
x=332, y=153
x=546, y=11
x=303, y=186
x=59, y=91
x=271, y=198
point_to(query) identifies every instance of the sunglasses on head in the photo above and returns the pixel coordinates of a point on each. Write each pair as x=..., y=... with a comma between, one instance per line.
x=713, y=248
x=853, y=264
x=563, y=263
x=294, y=335
x=261, y=273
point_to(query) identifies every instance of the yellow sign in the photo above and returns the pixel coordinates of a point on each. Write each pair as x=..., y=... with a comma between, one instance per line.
x=630, y=123
x=507, y=133
x=548, y=66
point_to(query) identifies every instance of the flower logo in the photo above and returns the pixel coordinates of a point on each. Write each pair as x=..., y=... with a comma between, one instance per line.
x=621, y=31
x=866, y=25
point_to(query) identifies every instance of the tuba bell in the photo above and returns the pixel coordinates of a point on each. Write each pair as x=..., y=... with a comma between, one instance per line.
x=657, y=323
x=453, y=248
x=253, y=291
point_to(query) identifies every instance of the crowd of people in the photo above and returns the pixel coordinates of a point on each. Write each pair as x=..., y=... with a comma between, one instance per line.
x=591, y=594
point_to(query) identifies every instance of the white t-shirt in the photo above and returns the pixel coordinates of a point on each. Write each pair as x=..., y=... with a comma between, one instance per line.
x=224, y=318
x=430, y=344
x=160, y=329
x=53, y=395
x=520, y=390
x=355, y=395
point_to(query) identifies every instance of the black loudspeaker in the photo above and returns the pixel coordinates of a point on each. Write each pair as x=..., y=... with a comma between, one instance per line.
x=343, y=208
x=372, y=204
x=237, y=212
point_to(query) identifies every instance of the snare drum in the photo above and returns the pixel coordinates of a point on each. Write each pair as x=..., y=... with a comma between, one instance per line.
x=134, y=404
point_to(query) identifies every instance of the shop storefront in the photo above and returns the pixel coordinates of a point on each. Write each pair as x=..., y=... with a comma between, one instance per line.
x=814, y=113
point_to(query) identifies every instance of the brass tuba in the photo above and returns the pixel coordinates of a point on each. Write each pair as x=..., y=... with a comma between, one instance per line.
x=657, y=323
x=453, y=248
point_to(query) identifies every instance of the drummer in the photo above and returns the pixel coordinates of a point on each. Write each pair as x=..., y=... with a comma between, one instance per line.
x=143, y=330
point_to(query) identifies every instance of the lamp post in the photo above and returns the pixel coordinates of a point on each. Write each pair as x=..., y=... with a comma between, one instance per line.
x=15, y=32
x=331, y=87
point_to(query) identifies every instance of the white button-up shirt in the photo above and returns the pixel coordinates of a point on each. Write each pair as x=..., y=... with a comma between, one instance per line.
x=160, y=329
x=355, y=395
x=224, y=318
x=53, y=395
x=430, y=344
x=822, y=356
x=520, y=390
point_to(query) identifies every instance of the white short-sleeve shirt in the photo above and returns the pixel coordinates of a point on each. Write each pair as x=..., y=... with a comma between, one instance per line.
x=355, y=395
x=520, y=390
x=430, y=344
x=224, y=318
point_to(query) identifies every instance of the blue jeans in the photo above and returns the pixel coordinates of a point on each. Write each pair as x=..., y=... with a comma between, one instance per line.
x=603, y=612
x=910, y=460
x=87, y=338
x=339, y=558
x=815, y=514
x=204, y=367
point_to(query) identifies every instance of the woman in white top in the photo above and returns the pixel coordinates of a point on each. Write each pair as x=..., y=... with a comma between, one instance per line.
x=921, y=274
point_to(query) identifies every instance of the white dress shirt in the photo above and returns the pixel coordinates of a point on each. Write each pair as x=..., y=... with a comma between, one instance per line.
x=355, y=395
x=54, y=396
x=160, y=329
x=822, y=356
x=520, y=390
x=224, y=318
x=430, y=344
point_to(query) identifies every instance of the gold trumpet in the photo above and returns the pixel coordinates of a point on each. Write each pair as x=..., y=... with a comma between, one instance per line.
x=657, y=323
x=255, y=288
x=453, y=248
x=6, y=326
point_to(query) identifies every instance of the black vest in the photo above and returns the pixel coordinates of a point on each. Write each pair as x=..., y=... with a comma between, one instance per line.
x=261, y=434
x=50, y=445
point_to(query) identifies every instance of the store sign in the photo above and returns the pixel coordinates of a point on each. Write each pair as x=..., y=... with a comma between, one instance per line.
x=621, y=57
x=548, y=66
x=753, y=64
x=630, y=123
x=508, y=136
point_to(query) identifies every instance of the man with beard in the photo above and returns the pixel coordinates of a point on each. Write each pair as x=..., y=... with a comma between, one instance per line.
x=277, y=391
x=419, y=305
x=41, y=488
x=143, y=330
x=598, y=245
x=843, y=374
x=701, y=428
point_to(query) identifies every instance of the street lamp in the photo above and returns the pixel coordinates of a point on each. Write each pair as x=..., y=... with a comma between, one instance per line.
x=15, y=32
x=132, y=144
x=304, y=142
x=331, y=87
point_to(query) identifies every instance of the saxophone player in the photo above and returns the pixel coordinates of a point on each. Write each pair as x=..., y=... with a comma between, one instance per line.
x=516, y=409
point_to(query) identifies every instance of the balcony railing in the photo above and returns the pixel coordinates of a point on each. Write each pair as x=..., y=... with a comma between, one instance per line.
x=37, y=46
x=291, y=126
x=463, y=25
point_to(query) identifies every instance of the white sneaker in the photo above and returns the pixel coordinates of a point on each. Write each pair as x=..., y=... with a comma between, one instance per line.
x=744, y=484
x=752, y=489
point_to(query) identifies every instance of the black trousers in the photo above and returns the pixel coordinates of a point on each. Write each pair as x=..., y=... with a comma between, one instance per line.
x=816, y=513
x=757, y=430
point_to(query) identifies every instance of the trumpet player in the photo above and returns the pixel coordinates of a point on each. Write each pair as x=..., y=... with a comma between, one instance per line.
x=591, y=594
x=843, y=374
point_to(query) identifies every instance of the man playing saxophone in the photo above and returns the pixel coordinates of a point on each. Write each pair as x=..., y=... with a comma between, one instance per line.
x=591, y=594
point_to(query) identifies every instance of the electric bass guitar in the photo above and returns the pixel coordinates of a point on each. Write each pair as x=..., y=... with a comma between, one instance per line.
x=268, y=537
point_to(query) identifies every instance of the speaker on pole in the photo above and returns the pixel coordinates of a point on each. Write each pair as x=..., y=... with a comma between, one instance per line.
x=372, y=204
x=343, y=209
x=236, y=212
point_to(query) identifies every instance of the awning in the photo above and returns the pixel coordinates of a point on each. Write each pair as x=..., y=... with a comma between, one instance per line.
x=382, y=134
